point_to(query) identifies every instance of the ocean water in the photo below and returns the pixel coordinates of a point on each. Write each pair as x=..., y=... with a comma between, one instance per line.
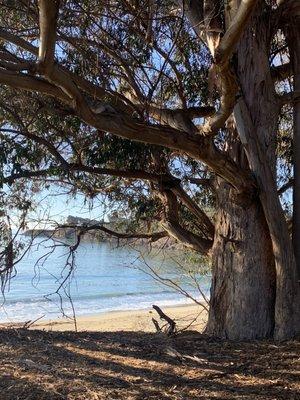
x=105, y=278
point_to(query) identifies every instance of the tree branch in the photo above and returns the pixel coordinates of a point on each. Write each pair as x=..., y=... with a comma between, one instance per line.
x=32, y=84
x=25, y=174
x=187, y=238
x=48, y=13
x=200, y=181
x=40, y=140
x=18, y=41
x=202, y=218
x=171, y=224
x=289, y=98
x=83, y=229
x=286, y=186
x=281, y=72
x=180, y=118
x=223, y=53
x=234, y=32
x=126, y=126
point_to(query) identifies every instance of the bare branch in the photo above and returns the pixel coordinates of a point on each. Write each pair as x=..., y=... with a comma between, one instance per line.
x=286, y=186
x=83, y=229
x=170, y=321
x=18, y=41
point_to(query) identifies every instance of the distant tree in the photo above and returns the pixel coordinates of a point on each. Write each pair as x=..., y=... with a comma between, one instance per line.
x=173, y=108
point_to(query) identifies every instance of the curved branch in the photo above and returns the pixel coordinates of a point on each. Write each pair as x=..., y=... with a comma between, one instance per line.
x=125, y=126
x=40, y=140
x=32, y=84
x=223, y=53
x=180, y=118
x=18, y=41
x=127, y=174
x=171, y=224
x=203, y=219
x=128, y=127
x=187, y=238
x=234, y=31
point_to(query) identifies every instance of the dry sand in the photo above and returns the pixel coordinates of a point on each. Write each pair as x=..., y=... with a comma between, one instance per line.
x=137, y=320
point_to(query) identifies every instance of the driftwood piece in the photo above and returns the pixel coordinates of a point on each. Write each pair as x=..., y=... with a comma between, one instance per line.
x=156, y=324
x=172, y=324
x=28, y=324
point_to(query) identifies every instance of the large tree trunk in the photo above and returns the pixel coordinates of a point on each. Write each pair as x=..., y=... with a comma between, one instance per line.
x=249, y=300
x=243, y=284
x=257, y=118
x=293, y=37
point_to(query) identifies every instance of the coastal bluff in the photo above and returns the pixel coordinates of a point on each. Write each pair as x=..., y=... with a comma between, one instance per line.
x=68, y=230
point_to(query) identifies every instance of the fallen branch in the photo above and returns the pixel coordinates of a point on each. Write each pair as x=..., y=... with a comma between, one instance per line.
x=28, y=324
x=157, y=327
x=170, y=321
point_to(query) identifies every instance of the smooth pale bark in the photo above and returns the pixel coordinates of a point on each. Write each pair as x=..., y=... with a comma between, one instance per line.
x=48, y=13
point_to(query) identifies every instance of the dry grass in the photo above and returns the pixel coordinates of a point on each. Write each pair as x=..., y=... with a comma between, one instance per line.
x=135, y=365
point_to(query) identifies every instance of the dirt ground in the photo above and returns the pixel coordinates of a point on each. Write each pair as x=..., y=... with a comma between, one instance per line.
x=137, y=365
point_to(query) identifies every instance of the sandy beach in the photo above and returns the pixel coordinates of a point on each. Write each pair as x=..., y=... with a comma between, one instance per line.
x=118, y=355
x=192, y=315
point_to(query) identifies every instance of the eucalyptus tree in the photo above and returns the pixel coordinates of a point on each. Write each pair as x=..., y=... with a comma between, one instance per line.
x=169, y=106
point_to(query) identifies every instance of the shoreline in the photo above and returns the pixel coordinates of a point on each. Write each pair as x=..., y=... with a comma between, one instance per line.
x=185, y=315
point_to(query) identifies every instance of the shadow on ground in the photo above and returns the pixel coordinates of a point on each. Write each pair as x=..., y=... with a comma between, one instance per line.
x=135, y=365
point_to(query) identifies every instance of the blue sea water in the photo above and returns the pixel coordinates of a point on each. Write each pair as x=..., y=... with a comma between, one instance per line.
x=106, y=278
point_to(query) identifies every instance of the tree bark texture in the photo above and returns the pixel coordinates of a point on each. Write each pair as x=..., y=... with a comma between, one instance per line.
x=249, y=300
x=293, y=37
x=257, y=116
x=243, y=275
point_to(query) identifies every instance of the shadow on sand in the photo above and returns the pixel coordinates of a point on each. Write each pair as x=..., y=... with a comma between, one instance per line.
x=135, y=365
